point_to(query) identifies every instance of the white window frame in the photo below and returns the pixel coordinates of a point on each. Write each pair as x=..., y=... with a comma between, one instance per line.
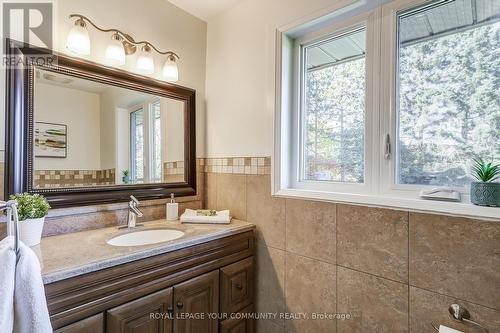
x=368, y=23
x=152, y=141
x=380, y=188
x=133, y=172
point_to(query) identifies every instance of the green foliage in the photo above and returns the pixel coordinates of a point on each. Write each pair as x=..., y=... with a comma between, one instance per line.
x=486, y=172
x=125, y=173
x=30, y=206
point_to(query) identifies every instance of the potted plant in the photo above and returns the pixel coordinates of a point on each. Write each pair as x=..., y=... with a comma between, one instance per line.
x=32, y=209
x=485, y=192
x=125, y=176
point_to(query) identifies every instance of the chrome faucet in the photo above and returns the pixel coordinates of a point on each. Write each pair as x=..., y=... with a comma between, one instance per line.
x=133, y=213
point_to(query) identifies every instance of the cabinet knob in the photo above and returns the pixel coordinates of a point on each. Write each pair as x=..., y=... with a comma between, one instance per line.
x=180, y=304
x=239, y=286
x=170, y=310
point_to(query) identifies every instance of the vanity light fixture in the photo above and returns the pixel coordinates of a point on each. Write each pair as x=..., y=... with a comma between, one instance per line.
x=145, y=62
x=78, y=38
x=115, y=52
x=119, y=47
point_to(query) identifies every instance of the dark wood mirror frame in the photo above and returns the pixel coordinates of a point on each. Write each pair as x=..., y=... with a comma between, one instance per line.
x=19, y=129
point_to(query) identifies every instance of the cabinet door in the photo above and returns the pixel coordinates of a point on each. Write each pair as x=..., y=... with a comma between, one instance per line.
x=94, y=324
x=194, y=301
x=239, y=323
x=149, y=314
x=236, y=286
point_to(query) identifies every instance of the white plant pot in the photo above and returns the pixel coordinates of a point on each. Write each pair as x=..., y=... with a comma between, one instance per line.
x=30, y=231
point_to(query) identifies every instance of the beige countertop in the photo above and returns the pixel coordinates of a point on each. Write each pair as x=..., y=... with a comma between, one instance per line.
x=68, y=255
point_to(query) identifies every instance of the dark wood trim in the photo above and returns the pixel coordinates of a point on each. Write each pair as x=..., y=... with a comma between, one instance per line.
x=80, y=297
x=19, y=129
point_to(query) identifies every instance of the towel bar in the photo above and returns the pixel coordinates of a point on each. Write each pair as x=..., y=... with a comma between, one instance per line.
x=461, y=314
x=12, y=216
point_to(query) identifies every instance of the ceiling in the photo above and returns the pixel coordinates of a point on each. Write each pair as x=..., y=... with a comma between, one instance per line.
x=204, y=9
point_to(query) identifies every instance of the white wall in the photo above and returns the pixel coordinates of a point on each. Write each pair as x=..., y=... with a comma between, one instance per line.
x=158, y=21
x=240, y=73
x=173, y=125
x=80, y=112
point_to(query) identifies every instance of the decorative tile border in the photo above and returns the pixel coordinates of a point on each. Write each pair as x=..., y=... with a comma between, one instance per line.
x=65, y=178
x=238, y=165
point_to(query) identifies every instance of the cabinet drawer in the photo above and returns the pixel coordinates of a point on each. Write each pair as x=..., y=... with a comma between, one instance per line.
x=94, y=324
x=238, y=324
x=237, y=283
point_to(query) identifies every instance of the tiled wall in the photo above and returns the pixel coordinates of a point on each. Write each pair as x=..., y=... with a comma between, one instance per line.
x=394, y=271
x=72, y=178
x=173, y=172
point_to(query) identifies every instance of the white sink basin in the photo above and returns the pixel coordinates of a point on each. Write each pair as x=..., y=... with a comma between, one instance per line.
x=145, y=237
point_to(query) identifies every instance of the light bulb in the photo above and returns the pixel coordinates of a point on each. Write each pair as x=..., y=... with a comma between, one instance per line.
x=115, y=53
x=145, y=62
x=170, y=70
x=78, y=39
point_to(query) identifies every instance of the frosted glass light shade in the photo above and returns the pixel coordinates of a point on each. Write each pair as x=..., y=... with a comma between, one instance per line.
x=170, y=70
x=145, y=62
x=115, y=53
x=78, y=40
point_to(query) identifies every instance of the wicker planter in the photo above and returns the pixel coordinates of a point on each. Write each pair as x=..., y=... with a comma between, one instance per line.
x=485, y=194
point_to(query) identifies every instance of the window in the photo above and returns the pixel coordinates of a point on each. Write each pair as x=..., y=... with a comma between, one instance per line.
x=378, y=100
x=156, y=171
x=448, y=101
x=137, y=145
x=334, y=109
x=146, y=142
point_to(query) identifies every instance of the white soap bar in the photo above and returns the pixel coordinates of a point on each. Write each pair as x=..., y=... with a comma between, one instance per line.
x=172, y=211
x=446, y=329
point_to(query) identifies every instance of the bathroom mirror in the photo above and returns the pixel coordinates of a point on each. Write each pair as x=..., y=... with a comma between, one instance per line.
x=83, y=133
x=88, y=133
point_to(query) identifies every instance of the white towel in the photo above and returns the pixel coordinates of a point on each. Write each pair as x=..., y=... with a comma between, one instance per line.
x=190, y=216
x=7, y=273
x=30, y=306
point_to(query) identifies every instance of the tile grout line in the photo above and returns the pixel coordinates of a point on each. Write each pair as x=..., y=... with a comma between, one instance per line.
x=336, y=266
x=456, y=298
x=408, y=270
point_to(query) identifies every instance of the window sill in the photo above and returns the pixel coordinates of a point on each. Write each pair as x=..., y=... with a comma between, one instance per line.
x=386, y=201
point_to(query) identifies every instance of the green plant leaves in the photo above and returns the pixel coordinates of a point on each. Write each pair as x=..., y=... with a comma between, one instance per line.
x=486, y=172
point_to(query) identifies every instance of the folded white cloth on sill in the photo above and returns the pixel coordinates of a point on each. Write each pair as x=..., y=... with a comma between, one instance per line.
x=30, y=306
x=191, y=216
x=7, y=278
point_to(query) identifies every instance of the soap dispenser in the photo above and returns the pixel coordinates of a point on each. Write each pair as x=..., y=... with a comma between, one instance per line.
x=172, y=209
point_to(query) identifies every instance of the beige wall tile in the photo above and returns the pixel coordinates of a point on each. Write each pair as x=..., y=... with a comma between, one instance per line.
x=231, y=194
x=373, y=240
x=310, y=229
x=266, y=212
x=310, y=288
x=268, y=326
x=427, y=307
x=375, y=304
x=210, y=191
x=80, y=222
x=270, y=281
x=456, y=256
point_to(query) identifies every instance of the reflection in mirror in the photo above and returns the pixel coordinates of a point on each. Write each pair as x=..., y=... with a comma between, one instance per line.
x=88, y=133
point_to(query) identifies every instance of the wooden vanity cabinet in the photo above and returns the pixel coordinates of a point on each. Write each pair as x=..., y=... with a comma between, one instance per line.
x=169, y=293
x=94, y=324
x=148, y=314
